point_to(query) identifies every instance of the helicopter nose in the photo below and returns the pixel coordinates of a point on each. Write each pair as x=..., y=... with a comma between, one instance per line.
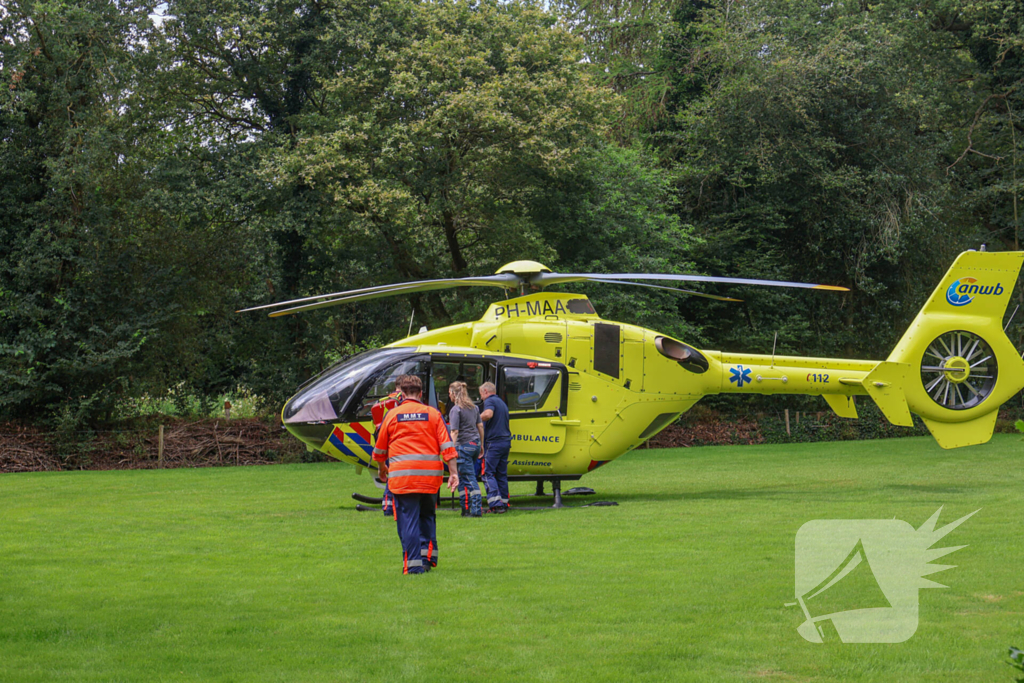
x=309, y=416
x=313, y=435
x=307, y=406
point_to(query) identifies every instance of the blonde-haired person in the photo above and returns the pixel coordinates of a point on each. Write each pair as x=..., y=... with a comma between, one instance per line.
x=468, y=434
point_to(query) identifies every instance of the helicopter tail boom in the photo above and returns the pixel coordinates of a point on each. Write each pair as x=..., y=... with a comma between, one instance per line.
x=954, y=366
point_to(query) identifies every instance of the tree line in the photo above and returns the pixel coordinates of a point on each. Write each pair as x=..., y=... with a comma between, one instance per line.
x=163, y=164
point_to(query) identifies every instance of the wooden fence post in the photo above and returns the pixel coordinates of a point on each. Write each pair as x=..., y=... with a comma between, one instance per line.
x=787, y=423
x=160, y=447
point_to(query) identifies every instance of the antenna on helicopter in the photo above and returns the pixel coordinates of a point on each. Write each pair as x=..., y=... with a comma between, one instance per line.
x=411, y=316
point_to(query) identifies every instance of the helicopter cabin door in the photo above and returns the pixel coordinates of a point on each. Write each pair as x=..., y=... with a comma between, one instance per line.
x=448, y=368
x=536, y=394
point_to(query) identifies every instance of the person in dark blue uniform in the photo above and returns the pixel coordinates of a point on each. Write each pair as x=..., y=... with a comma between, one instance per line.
x=497, y=444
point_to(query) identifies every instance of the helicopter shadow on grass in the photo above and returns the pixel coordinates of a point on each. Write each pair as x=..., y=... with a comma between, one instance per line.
x=786, y=492
x=794, y=492
x=760, y=492
x=944, y=489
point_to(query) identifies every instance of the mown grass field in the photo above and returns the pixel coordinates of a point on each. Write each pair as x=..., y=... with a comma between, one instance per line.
x=270, y=574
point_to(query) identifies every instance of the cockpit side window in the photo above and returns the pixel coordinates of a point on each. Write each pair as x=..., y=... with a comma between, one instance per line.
x=531, y=389
x=384, y=383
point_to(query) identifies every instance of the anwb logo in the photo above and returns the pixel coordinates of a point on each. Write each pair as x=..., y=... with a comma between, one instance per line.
x=962, y=291
x=857, y=580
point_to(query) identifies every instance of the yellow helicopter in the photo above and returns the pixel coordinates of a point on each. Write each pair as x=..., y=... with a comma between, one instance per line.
x=582, y=391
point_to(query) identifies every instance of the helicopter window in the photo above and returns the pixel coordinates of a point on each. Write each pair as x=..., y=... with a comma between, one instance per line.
x=606, y=349
x=528, y=389
x=580, y=306
x=445, y=372
x=686, y=356
x=329, y=391
x=384, y=383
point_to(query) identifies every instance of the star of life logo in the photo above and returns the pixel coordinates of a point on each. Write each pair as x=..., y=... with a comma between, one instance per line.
x=857, y=580
x=739, y=375
x=964, y=290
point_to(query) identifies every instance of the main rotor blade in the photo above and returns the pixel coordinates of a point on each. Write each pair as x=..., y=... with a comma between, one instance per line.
x=505, y=280
x=394, y=290
x=670, y=289
x=545, y=279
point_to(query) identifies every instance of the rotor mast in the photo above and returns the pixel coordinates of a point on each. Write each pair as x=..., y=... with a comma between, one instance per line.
x=526, y=271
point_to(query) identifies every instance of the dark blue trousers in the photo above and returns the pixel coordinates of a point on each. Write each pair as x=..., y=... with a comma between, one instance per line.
x=469, y=491
x=417, y=529
x=496, y=473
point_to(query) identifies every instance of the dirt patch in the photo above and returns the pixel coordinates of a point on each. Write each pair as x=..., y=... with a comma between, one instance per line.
x=204, y=443
x=714, y=432
x=25, y=450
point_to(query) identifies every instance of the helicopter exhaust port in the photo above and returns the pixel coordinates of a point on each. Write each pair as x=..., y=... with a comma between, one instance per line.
x=688, y=357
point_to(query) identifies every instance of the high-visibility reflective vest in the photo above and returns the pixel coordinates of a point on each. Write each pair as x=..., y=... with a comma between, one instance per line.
x=413, y=440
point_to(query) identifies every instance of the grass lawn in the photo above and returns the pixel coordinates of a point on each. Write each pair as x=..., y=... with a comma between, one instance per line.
x=270, y=574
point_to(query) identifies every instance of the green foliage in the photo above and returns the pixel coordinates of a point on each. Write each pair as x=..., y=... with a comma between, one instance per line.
x=156, y=176
x=435, y=146
x=103, y=282
x=81, y=292
x=625, y=46
x=807, y=156
x=871, y=424
x=73, y=436
x=232, y=153
x=1019, y=424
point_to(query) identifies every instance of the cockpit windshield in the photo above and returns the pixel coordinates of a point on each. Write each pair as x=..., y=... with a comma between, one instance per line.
x=324, y=397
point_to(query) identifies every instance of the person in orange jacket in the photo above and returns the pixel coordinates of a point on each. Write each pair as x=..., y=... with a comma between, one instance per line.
x=377, y=413
x=412, y=443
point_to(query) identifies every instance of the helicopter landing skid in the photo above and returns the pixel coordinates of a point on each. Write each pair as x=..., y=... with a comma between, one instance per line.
x=556, y=486
x=556, y=492
x=367, y=499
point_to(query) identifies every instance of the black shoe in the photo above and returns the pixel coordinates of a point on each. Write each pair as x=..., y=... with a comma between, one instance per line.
x=427, y=567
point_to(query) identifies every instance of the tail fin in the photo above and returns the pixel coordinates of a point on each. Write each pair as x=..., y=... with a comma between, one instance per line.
x=955, y=366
